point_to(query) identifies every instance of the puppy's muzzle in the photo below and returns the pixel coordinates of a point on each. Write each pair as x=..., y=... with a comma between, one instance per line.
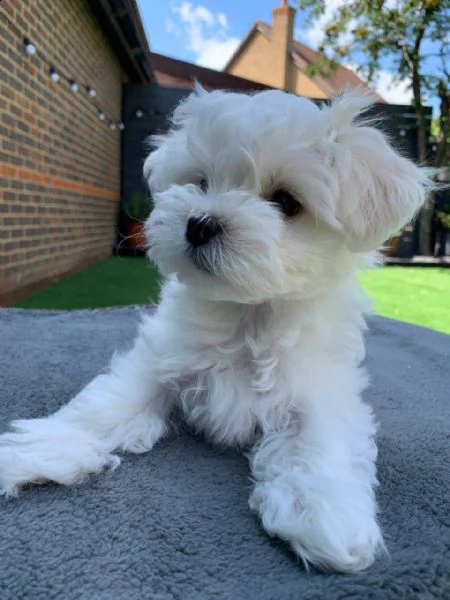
x=201, y=230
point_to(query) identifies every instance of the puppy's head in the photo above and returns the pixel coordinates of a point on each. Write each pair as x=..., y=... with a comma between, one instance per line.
x=263, y=196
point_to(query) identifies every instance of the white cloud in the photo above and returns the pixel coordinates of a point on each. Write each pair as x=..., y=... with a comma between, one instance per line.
x=172, y=28
x=222, y=20
x=216, y=54
x=314, y=35
x=206, y=34
x=395, y=92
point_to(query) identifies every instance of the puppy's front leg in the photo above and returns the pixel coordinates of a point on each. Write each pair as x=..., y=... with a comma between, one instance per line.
x=314, y=486
x=123, y=409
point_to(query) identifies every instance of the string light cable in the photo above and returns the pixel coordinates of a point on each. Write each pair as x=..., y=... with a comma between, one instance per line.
x=57, y=75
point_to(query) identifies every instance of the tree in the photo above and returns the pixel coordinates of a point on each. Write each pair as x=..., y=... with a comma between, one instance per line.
x=410, y=36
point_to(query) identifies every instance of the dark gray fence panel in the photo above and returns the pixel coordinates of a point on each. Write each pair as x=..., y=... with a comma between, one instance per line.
x=156, y=104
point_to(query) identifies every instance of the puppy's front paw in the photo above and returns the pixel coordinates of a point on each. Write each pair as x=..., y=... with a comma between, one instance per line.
x=48, y=449
x=328, y=523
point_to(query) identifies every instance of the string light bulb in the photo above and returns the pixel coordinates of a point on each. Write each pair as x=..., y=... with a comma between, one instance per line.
x=29, y=47
x=139, y=113
x=54, y=75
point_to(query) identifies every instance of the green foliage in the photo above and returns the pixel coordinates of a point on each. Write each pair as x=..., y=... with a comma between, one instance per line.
x=137, y=207
x=443, y=216
x=322, y=66
x=436, y=129
x=383, y=29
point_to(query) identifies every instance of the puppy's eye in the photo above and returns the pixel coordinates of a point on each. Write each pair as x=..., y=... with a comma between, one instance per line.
x=203, y=185
x=286, y=203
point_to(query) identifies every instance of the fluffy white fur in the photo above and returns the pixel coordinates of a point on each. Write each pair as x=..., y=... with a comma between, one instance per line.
x=258, y=337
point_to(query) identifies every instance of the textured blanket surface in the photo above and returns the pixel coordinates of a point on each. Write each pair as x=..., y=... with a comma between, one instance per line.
x=174, y=523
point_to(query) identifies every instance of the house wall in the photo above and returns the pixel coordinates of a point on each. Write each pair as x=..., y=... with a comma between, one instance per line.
x=255, y=61
x=281, y=37
x=304, y=86
x=59, y=164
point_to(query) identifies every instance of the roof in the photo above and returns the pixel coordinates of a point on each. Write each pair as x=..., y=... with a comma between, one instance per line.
x=207, y=77
x=338, y=79
x=259, y=26
x=303, y=56
x=122, y=24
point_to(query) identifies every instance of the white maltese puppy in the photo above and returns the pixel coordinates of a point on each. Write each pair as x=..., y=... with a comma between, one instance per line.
x=266, y=208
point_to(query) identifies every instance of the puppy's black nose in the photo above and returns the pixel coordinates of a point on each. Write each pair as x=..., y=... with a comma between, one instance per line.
x=202, y=229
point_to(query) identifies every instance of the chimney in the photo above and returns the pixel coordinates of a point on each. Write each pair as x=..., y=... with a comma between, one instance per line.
x=282, y=38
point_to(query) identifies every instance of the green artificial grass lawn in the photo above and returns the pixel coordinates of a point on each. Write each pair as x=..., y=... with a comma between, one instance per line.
x=414, y=294
x=419, y=295
x=116, y=281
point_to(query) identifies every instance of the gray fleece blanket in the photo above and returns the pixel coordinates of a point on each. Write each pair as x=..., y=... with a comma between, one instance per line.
x=174, y=523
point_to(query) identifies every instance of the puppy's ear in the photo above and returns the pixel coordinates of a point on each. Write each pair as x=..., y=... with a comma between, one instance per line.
x=378, y=189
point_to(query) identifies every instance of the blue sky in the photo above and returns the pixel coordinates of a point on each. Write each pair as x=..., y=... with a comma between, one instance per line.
x=168, y=33
x=207, y=32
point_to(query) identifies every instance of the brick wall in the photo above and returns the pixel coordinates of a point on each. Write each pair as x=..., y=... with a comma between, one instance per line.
x=59, y=164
